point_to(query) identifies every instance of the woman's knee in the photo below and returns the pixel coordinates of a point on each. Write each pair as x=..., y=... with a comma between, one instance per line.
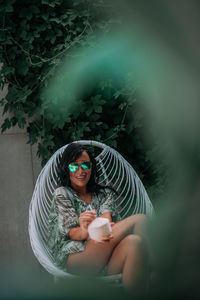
x=139, y=221
x=127, y=226
x=131, y=241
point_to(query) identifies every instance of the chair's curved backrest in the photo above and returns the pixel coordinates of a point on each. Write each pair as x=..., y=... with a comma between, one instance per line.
x=113, y=169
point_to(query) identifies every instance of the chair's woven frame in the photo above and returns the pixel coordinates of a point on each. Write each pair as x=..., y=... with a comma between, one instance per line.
x=114, y=170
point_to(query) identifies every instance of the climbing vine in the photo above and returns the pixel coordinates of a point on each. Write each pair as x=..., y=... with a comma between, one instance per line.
x=35, y=37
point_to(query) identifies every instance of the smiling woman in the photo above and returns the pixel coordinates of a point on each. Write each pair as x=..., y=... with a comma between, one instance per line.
x=69, y=241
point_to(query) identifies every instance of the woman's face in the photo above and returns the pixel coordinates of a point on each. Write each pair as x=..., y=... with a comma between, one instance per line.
x=80, y=177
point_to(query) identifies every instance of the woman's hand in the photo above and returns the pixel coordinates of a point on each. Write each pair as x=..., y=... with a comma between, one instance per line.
x=108, y=237
x=85, y=219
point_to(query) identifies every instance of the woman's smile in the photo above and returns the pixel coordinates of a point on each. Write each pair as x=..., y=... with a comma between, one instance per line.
x=82, y=177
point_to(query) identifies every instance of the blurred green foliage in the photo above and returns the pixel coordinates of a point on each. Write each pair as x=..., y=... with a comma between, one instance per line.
x=35, y=37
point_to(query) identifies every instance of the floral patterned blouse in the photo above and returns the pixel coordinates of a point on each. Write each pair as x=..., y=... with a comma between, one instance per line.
x=64, y=213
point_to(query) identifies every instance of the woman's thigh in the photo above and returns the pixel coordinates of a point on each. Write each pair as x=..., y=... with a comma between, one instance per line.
x=126, y=247
x=91, y=260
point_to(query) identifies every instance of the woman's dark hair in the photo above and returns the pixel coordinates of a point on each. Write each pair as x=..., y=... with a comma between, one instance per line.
x=72, y=152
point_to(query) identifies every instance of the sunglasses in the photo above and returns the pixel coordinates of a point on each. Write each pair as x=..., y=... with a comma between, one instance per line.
x=85, y=165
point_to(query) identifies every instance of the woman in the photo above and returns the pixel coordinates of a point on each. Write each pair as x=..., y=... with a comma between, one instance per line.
x=74, y=251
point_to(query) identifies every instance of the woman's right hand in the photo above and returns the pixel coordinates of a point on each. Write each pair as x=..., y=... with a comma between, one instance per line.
x=108, y=237
x=85, y=219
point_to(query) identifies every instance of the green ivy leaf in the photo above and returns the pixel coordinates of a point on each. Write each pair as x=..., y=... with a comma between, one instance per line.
x=9, y=8
x=34, y=9
x=49, y=3
x=8, y=70
x=117, y=94
x=21, y=121
x=6, y=125
x=98, y=109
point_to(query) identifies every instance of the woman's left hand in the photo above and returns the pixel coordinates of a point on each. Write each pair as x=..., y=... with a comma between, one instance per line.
x=108, y=237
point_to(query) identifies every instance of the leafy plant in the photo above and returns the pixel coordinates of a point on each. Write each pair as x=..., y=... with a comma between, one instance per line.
x=35, y=38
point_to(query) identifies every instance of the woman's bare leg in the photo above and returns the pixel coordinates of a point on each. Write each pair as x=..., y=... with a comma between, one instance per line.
x=133, y=224
x=96, y=255
x=92, y=260
x=129, y=259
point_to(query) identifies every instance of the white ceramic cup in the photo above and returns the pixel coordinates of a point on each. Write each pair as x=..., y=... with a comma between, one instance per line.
x=99, y=228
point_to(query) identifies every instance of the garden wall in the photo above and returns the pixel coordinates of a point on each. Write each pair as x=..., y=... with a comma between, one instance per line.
x=19, y=168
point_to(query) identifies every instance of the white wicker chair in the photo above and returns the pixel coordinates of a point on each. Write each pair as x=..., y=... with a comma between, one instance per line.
x=114, y=170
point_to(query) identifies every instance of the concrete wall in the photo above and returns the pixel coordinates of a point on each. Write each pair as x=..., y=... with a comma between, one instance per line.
x=19, y=168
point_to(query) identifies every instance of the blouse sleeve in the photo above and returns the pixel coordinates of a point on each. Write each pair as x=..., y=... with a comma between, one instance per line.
x=67, y=217
x=107, y=203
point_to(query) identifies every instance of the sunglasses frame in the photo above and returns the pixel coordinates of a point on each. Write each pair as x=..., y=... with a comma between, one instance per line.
x=77, y=165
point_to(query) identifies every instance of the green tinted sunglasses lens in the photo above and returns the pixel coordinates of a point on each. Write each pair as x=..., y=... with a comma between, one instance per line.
x=86, y=165
x=73, y=167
